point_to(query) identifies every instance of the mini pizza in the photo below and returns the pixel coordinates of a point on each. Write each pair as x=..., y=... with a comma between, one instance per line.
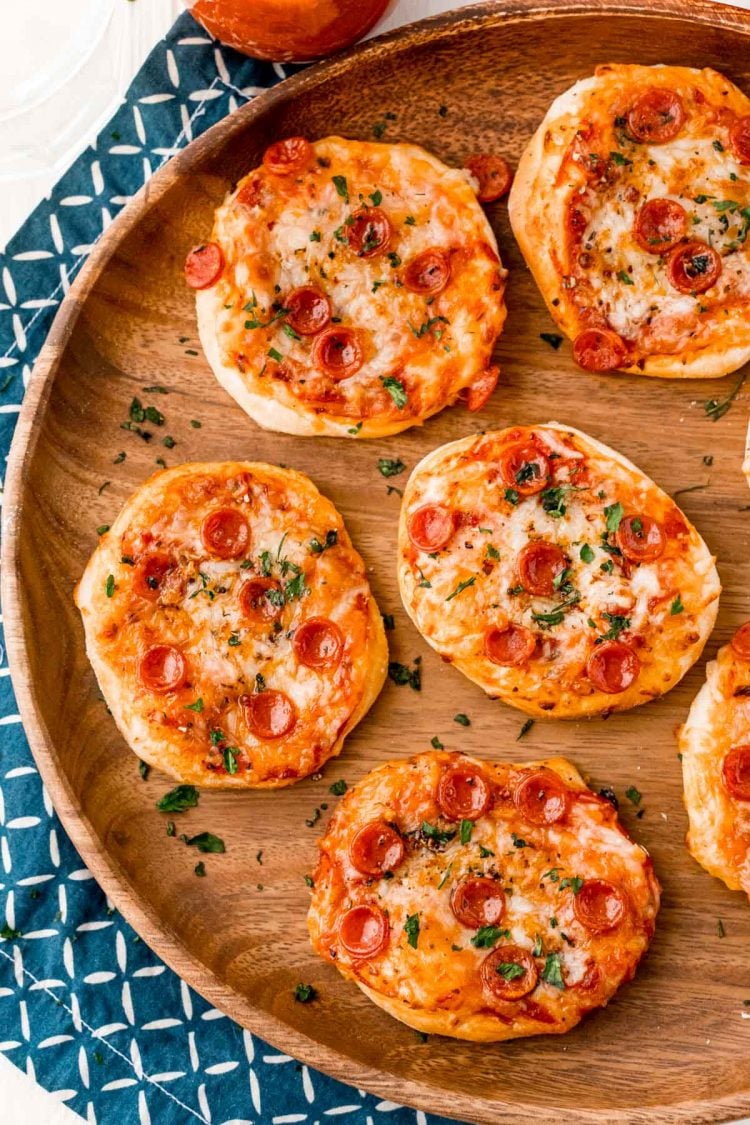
x=631, y=205
x=715, y=750
x=552, y=572
x=350, y=289
x=481, y=900
x=231, y=625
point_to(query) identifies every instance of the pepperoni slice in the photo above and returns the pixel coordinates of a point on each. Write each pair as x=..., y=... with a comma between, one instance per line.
x=509, y=646
x=694, y=267
x=493, y=175
x=429, y=272
x=255, y=602
x=163, y=669
x=270, y=714
x=542, y=797
x=250, y=194
x=599, y=349
x=288, y=156
x=740, y=642
x=660, y=225
x=640, y=538
x=149, y=574
x=431, y=527
x=539, y=564
x=225, y=533
x=739, y=139
x=478, y=901
x=364, y=931
x=736, y=772
x=500, y=975
x=204, y=265
x=481, y=389
x=613, y=667
x=599, y=906
x=656, y=116
x=338, y=353
x=376, y=848
x=318, y=643
x=308, y=310
x=525, y=468
x=463, y=792
x=369, y=231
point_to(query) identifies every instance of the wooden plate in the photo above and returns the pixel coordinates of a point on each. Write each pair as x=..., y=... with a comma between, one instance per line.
x=673, y=1046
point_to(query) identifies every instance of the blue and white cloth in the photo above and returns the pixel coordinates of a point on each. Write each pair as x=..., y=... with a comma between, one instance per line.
x=86, y=1009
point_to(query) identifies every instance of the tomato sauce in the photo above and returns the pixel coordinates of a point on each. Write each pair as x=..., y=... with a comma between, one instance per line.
x=287, y=30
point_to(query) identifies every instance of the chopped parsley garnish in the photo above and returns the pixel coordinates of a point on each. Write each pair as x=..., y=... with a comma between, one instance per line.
x=389, y=622
x=102, y=529
x=436, y=744
x=390, y=467
x=511, y=496
x=538, y=946
x=676, y=606
x=557, y=615
x=402, y=675
x=429, y=326
x=144, y=769
x=338, y=788
x=551, y=338
x=613, y=514
x=722, y=205
x=625, y=277
x=633, y=795
x=716, y=408
x=437, y=835
x=423, y=582
x=445, y=877
x=461, y=586
x=311, y=821
x=171, y=830
x=289, y=331
x=304, y=993
x=309, y=882
x=466, y=827
x=118, y=460
x=394, y=259
x=617, y=625
x=518, y=842
x=339, y=182
x=509, y=970
x=168, y=441
x=552, y=971
x=376, y=198
x=109, y=585
x=462, y=720
x=273, y=354
x=230, y=759
x=233, y=640
x=315, y=236
x=586, y=553
x=331, y=539
x=618, y=158
x=575, y=884
x=487, y=936
x=179, y=799
x=720, y=928
x=492, y=552
x=206, y=842
x=396, y=390
x=525, y=729
x=200, y=869
x=411, y=929
x=484, y=853
x=196, y=705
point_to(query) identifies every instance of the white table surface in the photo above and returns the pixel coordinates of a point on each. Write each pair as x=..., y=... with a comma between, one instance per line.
x=62, y=127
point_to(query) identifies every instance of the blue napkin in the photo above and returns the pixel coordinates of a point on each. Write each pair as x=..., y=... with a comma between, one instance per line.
x=85, y=1007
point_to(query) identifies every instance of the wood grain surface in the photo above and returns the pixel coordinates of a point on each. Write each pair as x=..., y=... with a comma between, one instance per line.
x=673, y=1046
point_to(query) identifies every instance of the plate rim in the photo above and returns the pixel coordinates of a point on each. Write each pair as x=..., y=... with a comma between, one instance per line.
x=102, y=864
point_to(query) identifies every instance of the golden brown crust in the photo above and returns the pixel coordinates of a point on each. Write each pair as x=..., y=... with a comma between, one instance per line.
x=719, y=720
x=569, y=165
x=430, y=973
x=238, y=641
x=279, y=233
x=663, y=609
